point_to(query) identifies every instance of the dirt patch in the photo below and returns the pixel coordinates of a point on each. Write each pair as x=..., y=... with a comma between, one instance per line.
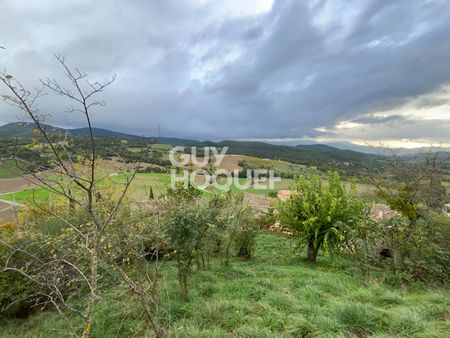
x=7, y=212
x=15, y=184
x=231, y=162
x=382, y=212
x=259, y=203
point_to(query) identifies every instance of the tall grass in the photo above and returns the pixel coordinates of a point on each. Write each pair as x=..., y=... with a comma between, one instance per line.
x=275, y=294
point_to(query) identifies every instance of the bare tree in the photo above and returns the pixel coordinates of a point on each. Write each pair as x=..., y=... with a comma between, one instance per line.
x=412, y=181
x=66, y=177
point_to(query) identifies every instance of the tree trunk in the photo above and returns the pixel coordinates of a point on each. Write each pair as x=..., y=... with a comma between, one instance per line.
x=182, y=279
x=93, y=292
x=312, y=252
x=227, y=253
x=183, y=287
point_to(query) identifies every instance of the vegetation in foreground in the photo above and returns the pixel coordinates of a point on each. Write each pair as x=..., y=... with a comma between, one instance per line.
x=274, y=294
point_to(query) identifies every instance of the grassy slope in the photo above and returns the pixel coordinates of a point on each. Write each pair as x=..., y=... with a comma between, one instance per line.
x=6, y=172
x=273, y=295
x=282, y=167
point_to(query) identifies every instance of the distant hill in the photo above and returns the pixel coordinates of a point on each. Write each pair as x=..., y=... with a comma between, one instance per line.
x=379, y=150
x=322, y=156
x=317, y=147
x=27, y=129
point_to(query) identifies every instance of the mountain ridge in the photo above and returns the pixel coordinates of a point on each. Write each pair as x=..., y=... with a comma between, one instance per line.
x=24, y=129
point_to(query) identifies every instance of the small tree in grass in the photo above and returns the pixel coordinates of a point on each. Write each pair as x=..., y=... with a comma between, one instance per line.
x=187, y=221
x=151, y=195
x=318, y=213
x=239, y=228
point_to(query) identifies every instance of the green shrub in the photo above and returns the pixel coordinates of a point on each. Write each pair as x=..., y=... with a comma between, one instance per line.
x=418, y=252
x=272, y=194
x=239, y=228
x=319, y=214
x=16, y=295
x=32, y=277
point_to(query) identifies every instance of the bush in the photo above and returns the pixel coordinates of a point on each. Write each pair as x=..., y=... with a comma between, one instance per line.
x=318, y=215
x=418, y=252
x=272, y=194
x=48, y=250
x=33, y=277
x=240, y=227
x=16, y=292
x=423, y=250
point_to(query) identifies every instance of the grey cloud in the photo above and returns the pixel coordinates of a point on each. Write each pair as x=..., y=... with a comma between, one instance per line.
x=288, y=75
x=429, y=102
x=379, y=119
x=428, y=131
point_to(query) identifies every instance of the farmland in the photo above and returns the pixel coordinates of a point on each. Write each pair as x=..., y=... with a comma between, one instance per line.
x=5, y=172
x=159, y=182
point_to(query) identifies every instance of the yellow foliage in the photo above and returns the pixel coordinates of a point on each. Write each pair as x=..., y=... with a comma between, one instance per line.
x=10, y=227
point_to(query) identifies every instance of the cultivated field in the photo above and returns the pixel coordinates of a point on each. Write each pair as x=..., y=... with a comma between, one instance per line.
x=14, y=184
x=20, y=190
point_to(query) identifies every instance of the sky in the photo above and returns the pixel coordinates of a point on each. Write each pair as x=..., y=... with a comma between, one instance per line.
x=373, y=72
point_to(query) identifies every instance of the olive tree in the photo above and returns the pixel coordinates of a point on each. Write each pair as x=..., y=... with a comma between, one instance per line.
x=188, y=219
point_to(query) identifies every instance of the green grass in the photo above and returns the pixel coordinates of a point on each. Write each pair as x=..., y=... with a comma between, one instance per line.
x=161, y=146
x=161, y=181
x=6, y=171
x=143, y=181
x=276, y=294
x=37, y=195
x=280, y=167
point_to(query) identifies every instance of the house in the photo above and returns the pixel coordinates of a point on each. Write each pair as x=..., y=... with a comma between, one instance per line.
x=284, y=195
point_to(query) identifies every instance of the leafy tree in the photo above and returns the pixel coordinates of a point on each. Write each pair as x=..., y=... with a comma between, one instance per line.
x=318, y=213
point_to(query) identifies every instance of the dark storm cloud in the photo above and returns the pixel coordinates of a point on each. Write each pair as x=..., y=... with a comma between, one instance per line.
x=218, y=70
